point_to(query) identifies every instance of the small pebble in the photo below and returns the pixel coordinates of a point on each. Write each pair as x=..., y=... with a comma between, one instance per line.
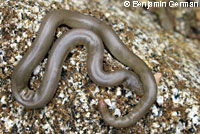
x=37, y=70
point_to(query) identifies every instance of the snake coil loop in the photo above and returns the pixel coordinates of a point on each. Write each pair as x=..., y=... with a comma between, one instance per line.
x=92, y=33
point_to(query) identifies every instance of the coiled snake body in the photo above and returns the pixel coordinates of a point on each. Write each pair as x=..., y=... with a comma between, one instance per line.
x=92, y=33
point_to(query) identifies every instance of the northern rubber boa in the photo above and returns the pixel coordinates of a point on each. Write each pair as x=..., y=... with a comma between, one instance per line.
x=93, y=34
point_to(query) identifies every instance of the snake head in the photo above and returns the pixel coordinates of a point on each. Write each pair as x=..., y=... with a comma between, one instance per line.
x=133, y=83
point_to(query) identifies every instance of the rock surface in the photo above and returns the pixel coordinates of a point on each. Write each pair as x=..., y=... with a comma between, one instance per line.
x=74, y=106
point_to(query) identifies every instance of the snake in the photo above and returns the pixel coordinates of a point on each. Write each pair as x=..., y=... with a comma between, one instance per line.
x=94, y=35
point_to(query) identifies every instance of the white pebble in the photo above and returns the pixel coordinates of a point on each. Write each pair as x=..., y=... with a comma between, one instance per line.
x=36, y=70
x=175, y=100
x=24, y=35
x=129, y=94
x=67, y=7
x=18, y=57
x=179, y=128
x=35, y=9
x=107, y=15
x=160, y=100
x=61, y=95
x=108, y=102
x=117, y=112
x=87, y=115
x=29, y=43
x=82, y=99
x=156, y=125
x=85, y=106
x=8, y=124
x=118, y=92
x=96, y=89
x=19, y=25
x=18, y=39
x=174, y=113
x=155, y=111
x=58, y=0
x=69, y=91
x=193, y=114
x=73, y=62
x=3, y=100
x=13, y=45
x=175, y=91
x=19, y=15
